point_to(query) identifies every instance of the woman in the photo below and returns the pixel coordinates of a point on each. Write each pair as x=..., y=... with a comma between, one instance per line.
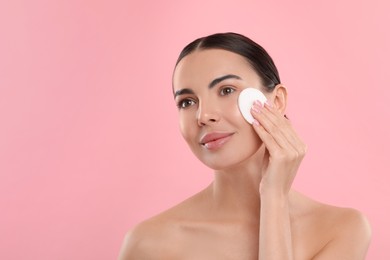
x=249, y=211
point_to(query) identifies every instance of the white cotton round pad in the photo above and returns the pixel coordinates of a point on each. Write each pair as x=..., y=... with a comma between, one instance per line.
x=246, y=99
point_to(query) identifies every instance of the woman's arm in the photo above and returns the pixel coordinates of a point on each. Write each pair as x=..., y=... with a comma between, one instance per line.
x=274, y=233
x=284, y=153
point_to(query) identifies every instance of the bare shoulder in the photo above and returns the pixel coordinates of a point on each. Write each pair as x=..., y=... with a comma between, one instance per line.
x=153, y=238
x=351, y=234
x=346, y=232
x=145, y=240
x=135, y=242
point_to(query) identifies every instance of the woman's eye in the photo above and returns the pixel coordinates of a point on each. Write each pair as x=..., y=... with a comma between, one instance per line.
x=227, y=91
x=185, y=103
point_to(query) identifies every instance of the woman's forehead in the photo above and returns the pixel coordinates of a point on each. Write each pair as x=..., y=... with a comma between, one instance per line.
x=210, y=63
x=211, y=57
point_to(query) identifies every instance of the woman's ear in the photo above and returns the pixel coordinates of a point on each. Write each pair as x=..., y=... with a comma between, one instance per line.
x=280, y=98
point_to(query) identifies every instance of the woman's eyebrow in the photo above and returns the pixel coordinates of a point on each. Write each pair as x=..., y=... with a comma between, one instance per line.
x=211, y=85
x=218, y=80
x=183, y=92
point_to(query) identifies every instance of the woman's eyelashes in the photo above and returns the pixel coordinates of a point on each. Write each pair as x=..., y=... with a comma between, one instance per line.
x=184, y=103
x=187, y=102
x=226, y=91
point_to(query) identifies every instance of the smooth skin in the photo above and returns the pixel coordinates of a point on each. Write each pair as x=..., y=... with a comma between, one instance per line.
x=249, y=211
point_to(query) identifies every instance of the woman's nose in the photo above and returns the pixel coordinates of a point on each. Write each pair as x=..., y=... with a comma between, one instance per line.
x=207, y=114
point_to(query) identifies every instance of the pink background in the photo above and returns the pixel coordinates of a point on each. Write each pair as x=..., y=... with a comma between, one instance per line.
x=89, y=138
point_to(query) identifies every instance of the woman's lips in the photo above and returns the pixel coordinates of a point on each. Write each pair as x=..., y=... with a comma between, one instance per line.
x=213, y=141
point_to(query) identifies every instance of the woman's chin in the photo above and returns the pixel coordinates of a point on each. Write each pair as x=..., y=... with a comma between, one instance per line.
x=234, y=161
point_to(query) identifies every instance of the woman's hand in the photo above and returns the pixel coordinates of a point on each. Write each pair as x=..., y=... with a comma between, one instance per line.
x=284, y=149
x=284, y=152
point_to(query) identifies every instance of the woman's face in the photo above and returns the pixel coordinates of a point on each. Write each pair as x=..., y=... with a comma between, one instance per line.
x=206, y=87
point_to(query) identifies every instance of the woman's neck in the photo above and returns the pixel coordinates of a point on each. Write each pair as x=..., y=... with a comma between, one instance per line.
x=236, y=190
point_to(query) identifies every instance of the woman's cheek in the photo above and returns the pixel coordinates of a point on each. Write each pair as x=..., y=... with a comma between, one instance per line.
x=187, y=127
x=234, y=110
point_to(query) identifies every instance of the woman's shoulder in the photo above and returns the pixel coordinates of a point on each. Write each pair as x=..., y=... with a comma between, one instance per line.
x=306, y=206
x=341, y=229
x=146, y=239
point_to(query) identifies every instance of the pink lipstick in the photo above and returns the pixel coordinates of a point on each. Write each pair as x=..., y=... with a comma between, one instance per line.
x=215, y=140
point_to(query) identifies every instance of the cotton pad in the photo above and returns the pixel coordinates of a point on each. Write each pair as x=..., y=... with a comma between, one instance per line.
x=246, y=99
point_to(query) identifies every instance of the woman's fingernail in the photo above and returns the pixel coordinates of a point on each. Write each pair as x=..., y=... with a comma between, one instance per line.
x=258, y=103
x=256, y=123
x=255, y=108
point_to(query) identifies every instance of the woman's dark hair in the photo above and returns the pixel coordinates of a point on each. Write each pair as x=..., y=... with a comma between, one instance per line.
x=256, y=55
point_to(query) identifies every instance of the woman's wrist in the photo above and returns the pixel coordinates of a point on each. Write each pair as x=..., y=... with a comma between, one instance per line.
x=268, y=191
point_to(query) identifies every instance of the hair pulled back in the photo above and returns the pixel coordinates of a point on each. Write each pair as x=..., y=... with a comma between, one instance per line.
x=256, y=55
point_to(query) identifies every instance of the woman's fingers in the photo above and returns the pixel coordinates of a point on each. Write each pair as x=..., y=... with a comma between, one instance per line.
x=270, y=124
x=279, y=128
x=285, y=148
x=277, y=134
x=272, y=146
